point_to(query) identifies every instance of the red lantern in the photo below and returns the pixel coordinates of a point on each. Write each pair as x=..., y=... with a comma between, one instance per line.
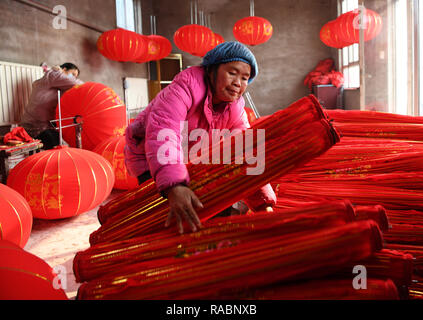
x=122, y=45
x=15, y=216
x=112, y=150
x=250, y=115
x=331, y=38
x=218, y=39
x=158, y=48
x=194, y=39
x=62, y=182
x=253, y=30
x=348, y=25
x=100, y=109
x=24, y=276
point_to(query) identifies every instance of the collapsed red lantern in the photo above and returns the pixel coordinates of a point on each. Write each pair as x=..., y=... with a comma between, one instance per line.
x=24, y=276
x=62, y=182
x=194, y=39
x=331, y=38
x=100, y=109
x=15, y=216
x=122, y=45
x=112, y=150
x=348, y=25
x=253, y=30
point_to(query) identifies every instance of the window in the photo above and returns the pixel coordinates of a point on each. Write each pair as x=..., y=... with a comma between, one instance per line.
x=419, y=55
x=401, y=57
x=349, y=61
x=125, y=17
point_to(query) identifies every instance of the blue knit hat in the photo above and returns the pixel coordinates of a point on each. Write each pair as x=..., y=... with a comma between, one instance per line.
x=231, y=51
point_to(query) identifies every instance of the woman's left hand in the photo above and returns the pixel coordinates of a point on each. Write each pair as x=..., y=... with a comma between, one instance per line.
x=182, y=201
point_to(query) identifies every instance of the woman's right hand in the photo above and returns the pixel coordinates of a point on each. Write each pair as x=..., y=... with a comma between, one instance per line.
x=182, y=201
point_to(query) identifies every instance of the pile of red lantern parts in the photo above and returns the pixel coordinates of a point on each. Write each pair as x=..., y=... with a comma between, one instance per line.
x=345, y=30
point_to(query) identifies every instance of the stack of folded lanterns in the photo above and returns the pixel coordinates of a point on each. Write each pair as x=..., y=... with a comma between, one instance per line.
x=339, y=206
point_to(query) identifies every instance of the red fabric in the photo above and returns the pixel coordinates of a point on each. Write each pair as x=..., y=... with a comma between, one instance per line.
x=19, y=134
x=324, y=73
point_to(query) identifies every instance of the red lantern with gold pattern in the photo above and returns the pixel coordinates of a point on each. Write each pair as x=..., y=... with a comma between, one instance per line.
x=158, y=48
x=348, y=25
x=24, y=276
x=15, y=216
x=331, y=38
x=112, y=150
x=99, y=108
x=62, y=182
x=122, y=45
x=194, y=39
x=253, y=30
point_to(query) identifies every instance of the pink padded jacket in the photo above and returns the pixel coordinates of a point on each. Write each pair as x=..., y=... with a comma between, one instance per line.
x=187, y=98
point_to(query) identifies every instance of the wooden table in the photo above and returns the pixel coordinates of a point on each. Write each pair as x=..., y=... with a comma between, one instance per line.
x=6, y=151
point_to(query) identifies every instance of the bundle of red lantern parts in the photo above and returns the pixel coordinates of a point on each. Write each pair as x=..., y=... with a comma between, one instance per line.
x=377, y=163
x=144, y=211
x=253, y=256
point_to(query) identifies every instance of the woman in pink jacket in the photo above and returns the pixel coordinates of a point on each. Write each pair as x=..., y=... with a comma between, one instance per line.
x=206, y=97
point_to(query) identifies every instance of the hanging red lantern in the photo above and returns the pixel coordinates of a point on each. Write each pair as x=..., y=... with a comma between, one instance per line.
x=24, y=276
x=218, y=39
x=194, y=39
x=15, y=216
x=331, y=38
x=62, y=182
x=348, y=25
x=100, y=109
x=253, y=30
x=112, y=150
x=158, y=48
x=122, y=45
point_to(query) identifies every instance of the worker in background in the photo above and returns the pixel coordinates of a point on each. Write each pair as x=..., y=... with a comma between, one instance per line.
x=207, y=97
x=41, y=107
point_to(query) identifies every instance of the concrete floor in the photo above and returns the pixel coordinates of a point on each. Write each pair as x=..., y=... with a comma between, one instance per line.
x=57, y=241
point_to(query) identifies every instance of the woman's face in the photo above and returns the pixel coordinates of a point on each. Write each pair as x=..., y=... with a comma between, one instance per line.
x=231, y=81
x=74, y=72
